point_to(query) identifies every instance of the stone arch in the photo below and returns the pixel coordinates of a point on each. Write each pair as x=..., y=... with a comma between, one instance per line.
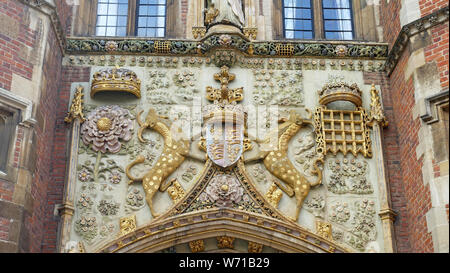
x=278, y=235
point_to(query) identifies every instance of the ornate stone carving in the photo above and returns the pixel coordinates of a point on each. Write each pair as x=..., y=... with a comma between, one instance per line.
x=197, y=246
x=274, y=87
x=250, y=32
x=135, y=199
x=316, y=205
x=174, y=153
x=274, y=195
x=339, y=212
x=84, y=203
x=105, y=126
x=266, y=48
x=376, y=109
x=349, y=176
x=324, y=229
x=127, y=225
x=74, y=247
x=254, y=247
x=176, y=191
x=276, y=161
x=87, y=228
x=76, y=108
x=224, y=94
x=342, y=131
x=223, y=190
x=225, y=242
x=198, y=32
x=363, y=228
x=115, y=79
x=108, y=207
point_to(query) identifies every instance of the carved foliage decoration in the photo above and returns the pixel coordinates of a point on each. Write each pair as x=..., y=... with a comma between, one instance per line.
x=349, y=176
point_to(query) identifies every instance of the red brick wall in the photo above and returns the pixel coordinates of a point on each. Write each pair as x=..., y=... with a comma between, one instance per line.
x=45, y=136
x=416, y=195
x=10, y=46
x=430, y=6
x=391, y=151
x=17, y=43
x=64, y=12
x=390, y=20
x=59, y=153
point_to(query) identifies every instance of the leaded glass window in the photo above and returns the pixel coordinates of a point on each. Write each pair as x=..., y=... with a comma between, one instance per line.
x=151, y=18
x=298, y=19
x=337, y=19
x=112, y=17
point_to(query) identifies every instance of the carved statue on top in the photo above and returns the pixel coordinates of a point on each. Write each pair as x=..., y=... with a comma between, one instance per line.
x=225, y=11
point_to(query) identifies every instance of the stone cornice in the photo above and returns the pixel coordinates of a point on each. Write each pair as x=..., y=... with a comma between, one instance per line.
x=285, y=48
x=411, y=29
x=49, y=10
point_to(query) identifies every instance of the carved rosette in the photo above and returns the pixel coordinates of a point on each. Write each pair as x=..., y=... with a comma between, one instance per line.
x=224, y=190
x=105, y=126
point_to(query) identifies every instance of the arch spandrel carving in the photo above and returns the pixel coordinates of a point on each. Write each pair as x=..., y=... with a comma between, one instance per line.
x=200, y=191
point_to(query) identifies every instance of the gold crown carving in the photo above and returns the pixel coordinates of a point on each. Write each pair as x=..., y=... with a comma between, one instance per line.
x=116, y=79
x=224, y=113
x=340, y=91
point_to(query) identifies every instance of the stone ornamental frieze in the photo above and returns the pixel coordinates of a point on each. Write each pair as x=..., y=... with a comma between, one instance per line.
x=227, y=139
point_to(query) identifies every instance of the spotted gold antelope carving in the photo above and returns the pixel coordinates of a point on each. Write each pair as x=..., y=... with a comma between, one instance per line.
x=173, y=154
x=277, y=162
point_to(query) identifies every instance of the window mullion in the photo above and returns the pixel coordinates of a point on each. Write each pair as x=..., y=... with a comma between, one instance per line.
x=132, y=18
